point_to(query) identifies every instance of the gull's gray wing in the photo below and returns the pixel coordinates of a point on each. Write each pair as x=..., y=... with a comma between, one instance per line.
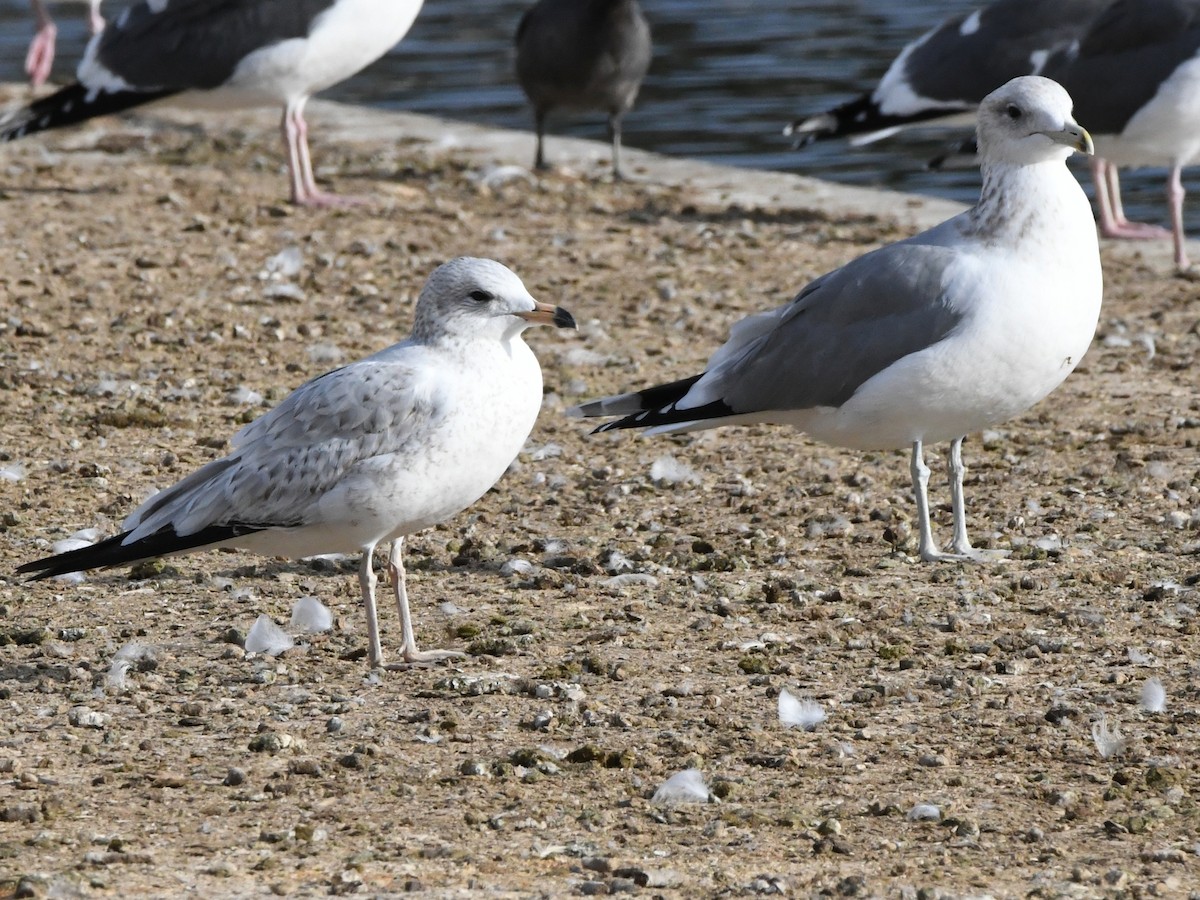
x=283, y=462
x=840, y=331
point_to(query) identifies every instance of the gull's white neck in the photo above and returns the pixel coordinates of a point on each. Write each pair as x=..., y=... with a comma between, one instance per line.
x=1029, y=202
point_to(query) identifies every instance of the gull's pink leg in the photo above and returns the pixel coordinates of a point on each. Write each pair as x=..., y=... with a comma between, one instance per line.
x=1113, y=223
x=300, y=173
x=408, y=649
x=40, y=58
x=95, y=20
x=1175, y=194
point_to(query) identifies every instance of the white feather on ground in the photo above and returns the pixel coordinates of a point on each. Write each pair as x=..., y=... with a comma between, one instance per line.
x=683, y=787
x=1154, y=696
x=796, y=712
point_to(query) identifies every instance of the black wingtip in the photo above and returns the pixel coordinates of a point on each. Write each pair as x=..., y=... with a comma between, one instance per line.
x=69, y=106
x=113, y=551
x=90, y=557
x=861, y=115
x=653, y=407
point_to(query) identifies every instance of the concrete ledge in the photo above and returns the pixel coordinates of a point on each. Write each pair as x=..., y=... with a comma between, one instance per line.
x=711, y=183
x=728, y=185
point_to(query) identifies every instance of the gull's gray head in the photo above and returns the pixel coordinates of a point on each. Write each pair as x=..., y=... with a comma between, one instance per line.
x=1028, y=120
x=472, y=297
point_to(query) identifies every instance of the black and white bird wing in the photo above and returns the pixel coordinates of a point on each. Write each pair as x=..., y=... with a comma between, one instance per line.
x=155, y=49
x=816, y=351
x=195, y=44
x=282, y=465
x=953, y=66
x=1121, y=61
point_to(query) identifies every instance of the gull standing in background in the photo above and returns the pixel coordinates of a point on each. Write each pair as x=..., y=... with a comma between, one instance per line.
x=1135, y=77
x=583, y=54
x=955, y=330
x=226, y=54
x=948, y=70
x=367, y=453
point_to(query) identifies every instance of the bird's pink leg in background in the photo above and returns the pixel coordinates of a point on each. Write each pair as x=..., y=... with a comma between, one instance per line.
x=300, y=172
x=1113, y=223
x=40, y=57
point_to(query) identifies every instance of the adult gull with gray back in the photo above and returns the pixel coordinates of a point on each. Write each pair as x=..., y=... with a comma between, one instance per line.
x=948, y=70
x=367, y=453
x=226, y=53
x=951, y=331
x=583, y=54
x=1135, y=77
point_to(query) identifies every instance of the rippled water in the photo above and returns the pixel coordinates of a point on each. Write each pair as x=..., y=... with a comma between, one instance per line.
x=727, y=75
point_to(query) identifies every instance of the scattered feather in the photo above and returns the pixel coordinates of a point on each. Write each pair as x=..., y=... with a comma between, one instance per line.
x=668, y=470
x=265, y=636
x=311, y=616
x=12, y=472
x=803, y=713
x=924, y=812
x=547, y=451
x=124, y=660
x=1138, y=658
x=243, y=396
x=1109, y=741
x=683, y=787
x=615, y=562
x=286, y=263
x=283, y=290
x=1154, y=696
x=326, y=354
x=517, y=567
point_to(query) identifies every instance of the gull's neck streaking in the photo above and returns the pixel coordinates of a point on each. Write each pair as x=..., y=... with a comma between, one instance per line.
x=1019, y=201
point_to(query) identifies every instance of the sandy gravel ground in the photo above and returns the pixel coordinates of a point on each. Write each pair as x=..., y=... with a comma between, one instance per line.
x=143, y=322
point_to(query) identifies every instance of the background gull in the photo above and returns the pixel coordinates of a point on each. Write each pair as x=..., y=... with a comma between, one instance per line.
x=583, y=54
x=225, y=53
x=929, y=339
x=365, y=454
x=1135, y=78
x=949, y=69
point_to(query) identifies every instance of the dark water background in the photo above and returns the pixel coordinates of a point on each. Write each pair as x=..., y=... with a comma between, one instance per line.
x=727, y=75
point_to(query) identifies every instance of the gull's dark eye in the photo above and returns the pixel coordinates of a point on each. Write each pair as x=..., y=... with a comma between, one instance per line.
x=482, y=296
x=1013, y=111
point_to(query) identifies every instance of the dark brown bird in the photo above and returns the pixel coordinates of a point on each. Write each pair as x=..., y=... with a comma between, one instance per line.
x=581, y=55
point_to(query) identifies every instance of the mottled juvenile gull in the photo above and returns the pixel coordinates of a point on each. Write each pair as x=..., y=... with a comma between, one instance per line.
x=39, y=60
x=929, y=339
x=367, y=453
x=225, y=53
x=583, y=54
x=949, y=69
